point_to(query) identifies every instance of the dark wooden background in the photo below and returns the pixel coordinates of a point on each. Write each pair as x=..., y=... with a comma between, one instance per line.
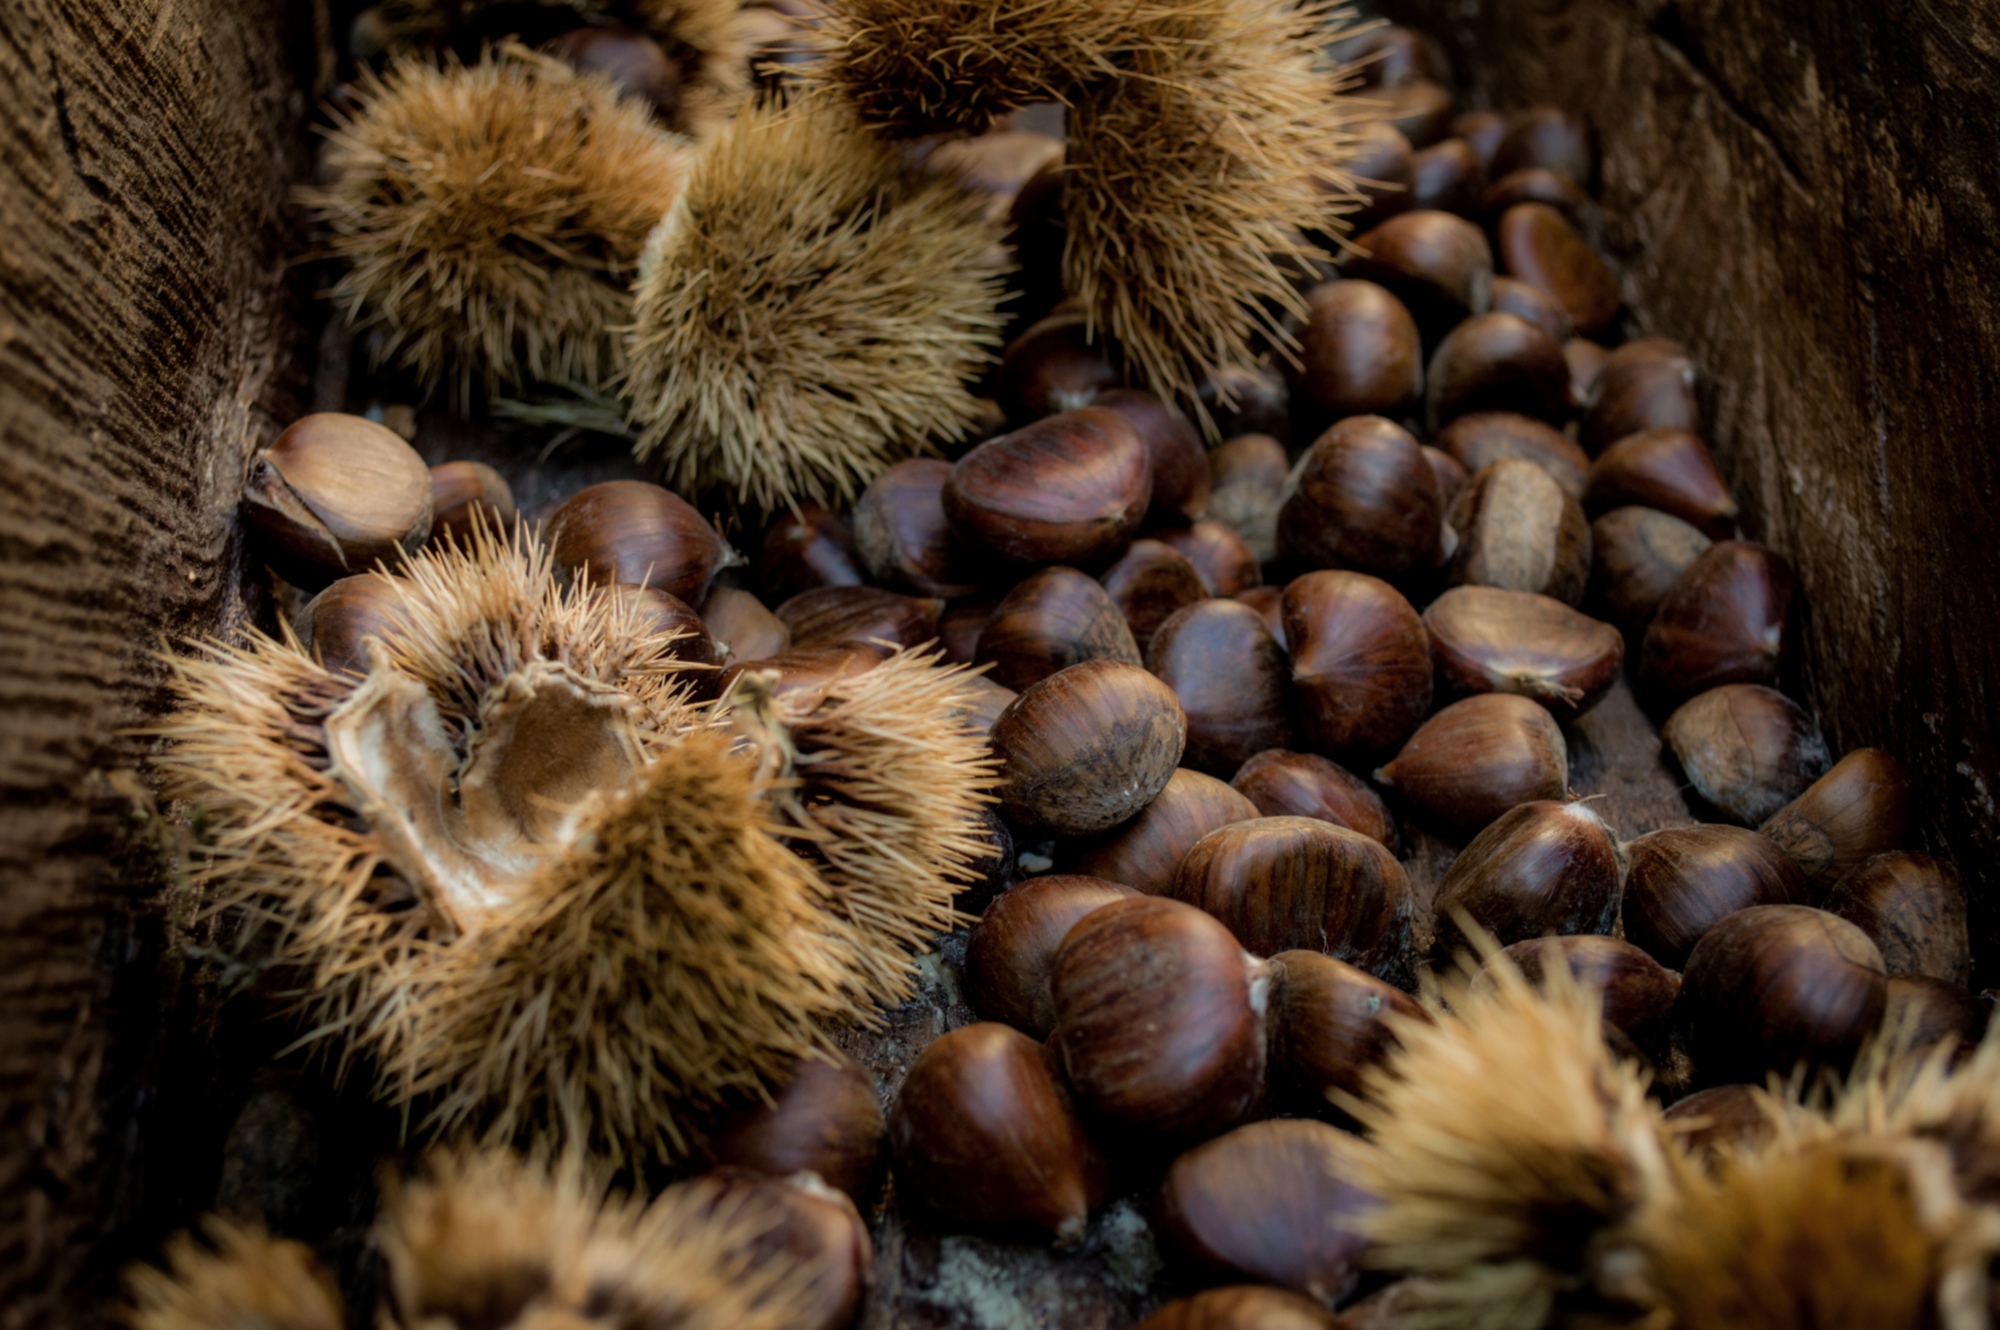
x=1803, y=193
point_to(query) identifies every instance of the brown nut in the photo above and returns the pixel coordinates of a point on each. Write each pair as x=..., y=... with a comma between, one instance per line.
x=740, y=626
x=1285, y=784
x=1300, y=883
x=1248, y=399
x=1647, y=384
x=632, y=532
x=1242, y=1307
x=820, y=1231
x=1667, y=469
x=804, y=550
x=1913, y=907
x=1540, y=868
x=1421, y=109
x=1361, y=662
x=1478, y=758
x=982, y=1132
x=465, y=495
x=1773, y=986
x=1451, y=476
x=1145, y=853
x=1274, y=1202
x=828, y=615
x=1051, y=620
x=1747, y=749
x=1229, y=674
x=1382, y=165
x=1330, y=1022
x=1552, y=139
x=1359, y=351
x=1053, y=367
x=1724, y=622
x=1511, y=295
x=960, y=627
x=1448, y=176
x=1496, y=362
x=1857, y=810
x=1070, y=488
x=1220, y=558
x=1517, y=530
x=1489, y=640
x=1586, y=361
x=1538, y=245
x=1160, y=1020
x=1438, y=265
x=1922, y=1012
x=823, y=1119
x=1723, y=1119
x=1150, y=583
x=1682, y=881
x=1482, y=131
x=1087, y=747
x=1363, y=497
x=981, y=702
x=1268, y=601
x=1479, y=440
x=1389, y=56
x=337, y=624
x=1531, y=184
x=334, y=495
x=1637, y=556
x=1246, y=494
x=1180, y=463
x=1012, y=948
x=901, y=537
x=1637, y=993
x=651, y=611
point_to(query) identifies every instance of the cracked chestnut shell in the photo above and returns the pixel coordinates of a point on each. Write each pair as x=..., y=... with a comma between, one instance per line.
x=1087, y=747
x=1053, y=619
x=1229, y=674
x=1070, y=488
x=1682, y=881
x=1774, y=986
x=1286, y=784
x=1491, y=640
x=1012, y=949
x=1540, y=868
x=1479, y=757
x=1361, y=661
x=334, y=495
x=1146, y=852
x=1363, y=497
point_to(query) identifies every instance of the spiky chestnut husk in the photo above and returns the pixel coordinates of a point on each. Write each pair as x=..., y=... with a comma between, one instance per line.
x=1192, y=182
x=242, y=1279
x=1512, y=1153
x=514, y=863
x=491, y=217
x=808, y=312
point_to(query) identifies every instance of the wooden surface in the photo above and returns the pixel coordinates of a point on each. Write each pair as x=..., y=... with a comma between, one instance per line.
x=1806, y=196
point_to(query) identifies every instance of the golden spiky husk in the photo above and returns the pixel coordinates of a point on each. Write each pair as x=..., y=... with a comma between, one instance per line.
x=491, y=217
x=808, y=312
x=242, y=1278
x=1193, y=182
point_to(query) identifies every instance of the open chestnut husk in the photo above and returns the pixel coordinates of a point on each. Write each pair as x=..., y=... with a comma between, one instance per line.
x=1229, y=674
x=1724, y=622
x=741, y=627
x=1052, y=619
x=1329, y=1024
x=1637, y=992
x=1361, y=661
x=804, y=550
x=1359, y=351
x=1220, y=557
x=1747, y=749
x=823, y=1119
x=337, y=624
x=1271, y=1201
x=1439, y=266
x=1149, y=584
x=902, y=538
x=1912, y=906
x=1482, y=438
x=334, y=495
x=1146, y=852
x=1491, y=640
x=1087, y=747
x=1180, y=463
x=1537, y=244
x=1857, y=810
x=1070, y=488
x=1637, y=556
x=465, y=495
x=1479, y=757
x=1363, y=497
x=1518, y=530
x=1291, y=883
x=1160, y=1020
x=1643, y=385
x=983, y=1132
x=1774, y=986
x=1012, y=948
x=1242, y=1307
x=1681, y=881
x=1543, y=867
x=1667, y=469
x=828, y=615
x=1286, y=784
x=640, y=534
x=1052, y=367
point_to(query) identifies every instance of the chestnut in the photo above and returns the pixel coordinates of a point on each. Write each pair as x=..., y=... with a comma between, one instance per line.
x=1449, y=177
x=1069, y=488
x=1249, y=482
x=1053, y=366
x=651, y=612
x=1389, y=55
x=1013, y=946
x=1913, y=907
x=1490, y=640
x=1482, y=132
x=1723, y=1119
x=804, y=550
x=1543, y=867
x=1247, y=399
x=1269, y=602
x=639, y=534
x=1775, y=985
x=1220, y=557
x=983, y=1132
x=1724, y=622
x=1359, y=351
x=1274, y=1202
x=1519, y=531
x=1643, y=385
x=1747, y=749
x=1511, y=295
x=901, y=537
x=981, y=701
x=1361, y=662
x=1330, y=1022
x=1680, y=881
x=1180, y=463
x=741, y=628
x=637, y=64
x=823, y=1119
x=1667, y=469
x=1051, y=620
x=1451, y=476
x=1382, y=165
x=1496, y=362
x=1552, y=139
x=1922, y=1012
x=1421, y=109
x=1291, y=883
x=1531, y=184
x=1479, y=440
x=1285, y=784
x=1242, y=1307
x=334, y=495
x=1586, y=361
x=1637, y=556
x=1363, y=497
x=337, y=624
x=1479, y=757
x=820, y=1231
x=465, y=495
x=828, y=615
x=1857, y=810
x=1438, y=265
x=1229, y=676
x=996, y=868
x=1538, y=245
x=1637, y=992
x=808, y=669
x=960, y=627
x=1087, y=747
x=1146, y=852
x=1160, y=1020
x=1149, y=584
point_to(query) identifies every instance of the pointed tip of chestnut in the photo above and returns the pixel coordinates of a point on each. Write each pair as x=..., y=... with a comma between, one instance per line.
x=1479, y=757
x=1541, y=868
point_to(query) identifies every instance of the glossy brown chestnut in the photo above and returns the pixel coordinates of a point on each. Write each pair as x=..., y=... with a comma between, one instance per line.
x=1637, y=992
x=1269, y=602
x=1382, y=166
x=1479, y=440
x=1300, y=883
x=1053, y=366
x=1923, y=1011
x=652, y=611
x=1087, y=747
x=1531, y=184
x=1249, y=482
x=1586, y=361
x=1053, y=619
x=804, y=550
x=1451, y=476
x=1550, y=138
x=1229, y=675
x=465, y=495
x=1220, y=558
x=996, y=166
x=1667, y=469
x=829, y=615
x=1365, y=498
x=1496, y=362
x=1448, y=177
x=1478, y=758
x=1361, y=662
x=1913, y=907
x=1160, y=1020
x=1540, y=868
x=1391, y=55
x=741, y=627
x=1647, y=384
x=1286, y=784
x=901, y=537
x=1511, y=295
x=825, y=1119
x=1519, y=531
x=1070, y=488
x=1857, y=810
x=1438, y=265
x=1248, y=399
x=1242, y=1307
x=1146, y=852
x=960, y=627
x=636, y=63
x=1747, y=749
x=334, y=495
x=1482, y=132
x=1150, y=583
x=1490, y=640
x=1421, y=109
x=1637, y=556
x=1330, y=1022
x=1274, y=1202
x=1776, y=985
x=809, y=669
x=639, y=534
x=1538, y=245
x=1681, y=881
x=821, y=1231
x=1012, y=948
x=1723, y=1118
x=983, y=1132
x=1724, y=622
x=1359, y=351
x=337, y=624
x=1180, y=463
